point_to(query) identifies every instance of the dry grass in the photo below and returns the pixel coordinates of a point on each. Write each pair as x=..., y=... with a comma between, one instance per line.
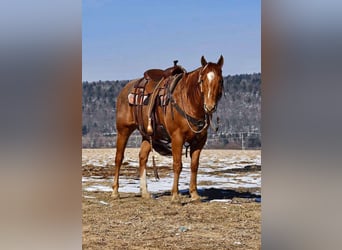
x=135, y=223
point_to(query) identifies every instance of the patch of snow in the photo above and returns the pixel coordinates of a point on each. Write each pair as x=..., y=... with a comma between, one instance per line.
x=95, y=179
x=98, y=188
x=221, y=200
x=208, y=165
x=89, y=197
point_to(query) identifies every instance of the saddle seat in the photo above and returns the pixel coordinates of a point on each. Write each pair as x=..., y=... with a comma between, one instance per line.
x=157, y=74
x=153, y=76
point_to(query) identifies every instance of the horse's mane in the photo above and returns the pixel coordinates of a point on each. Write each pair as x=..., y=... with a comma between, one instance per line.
x=192, y=86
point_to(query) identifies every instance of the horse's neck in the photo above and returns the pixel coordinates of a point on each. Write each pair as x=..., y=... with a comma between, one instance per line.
x=192, y=80
x=190, y=97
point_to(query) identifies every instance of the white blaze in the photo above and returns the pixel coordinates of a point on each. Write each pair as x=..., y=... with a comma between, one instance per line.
x=210, y=76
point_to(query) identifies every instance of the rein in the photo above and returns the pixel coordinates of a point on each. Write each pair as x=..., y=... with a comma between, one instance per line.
x=201, y=124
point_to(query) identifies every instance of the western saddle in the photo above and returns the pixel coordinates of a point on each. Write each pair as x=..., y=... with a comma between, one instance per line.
x=155, y=88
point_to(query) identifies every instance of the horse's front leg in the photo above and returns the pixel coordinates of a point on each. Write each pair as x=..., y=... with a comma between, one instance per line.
x=177, y=145
x=193, y=179
x=195, y=151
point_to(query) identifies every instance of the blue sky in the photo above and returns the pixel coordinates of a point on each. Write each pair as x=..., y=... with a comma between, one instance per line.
x=121, y=39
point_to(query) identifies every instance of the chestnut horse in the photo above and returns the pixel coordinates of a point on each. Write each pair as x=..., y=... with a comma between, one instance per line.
x=194, y=98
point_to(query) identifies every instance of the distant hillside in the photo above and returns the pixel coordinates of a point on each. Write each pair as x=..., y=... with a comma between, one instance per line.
x=239, y=112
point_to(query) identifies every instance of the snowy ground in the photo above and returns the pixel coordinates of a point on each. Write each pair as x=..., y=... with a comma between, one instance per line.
x=221, y=169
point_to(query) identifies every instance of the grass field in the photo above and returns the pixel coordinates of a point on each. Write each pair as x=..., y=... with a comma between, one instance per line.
x=227, y=218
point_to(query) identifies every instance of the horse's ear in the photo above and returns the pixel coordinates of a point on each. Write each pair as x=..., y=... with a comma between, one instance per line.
x=220, y=61
x=203, y=61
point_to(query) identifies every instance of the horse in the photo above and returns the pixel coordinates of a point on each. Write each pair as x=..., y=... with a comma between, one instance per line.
x=185, y=118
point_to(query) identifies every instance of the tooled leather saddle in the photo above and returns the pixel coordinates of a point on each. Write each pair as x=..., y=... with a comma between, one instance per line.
x=155, y=88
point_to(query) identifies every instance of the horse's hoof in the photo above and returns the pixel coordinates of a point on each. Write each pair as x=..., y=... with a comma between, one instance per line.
x=146, y=196
x=175, y=199
x=195, y=198
x=115, y=196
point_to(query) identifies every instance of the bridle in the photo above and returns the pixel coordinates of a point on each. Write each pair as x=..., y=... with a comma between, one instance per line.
x=187, y=117
x=200, y=80
x=207, y=117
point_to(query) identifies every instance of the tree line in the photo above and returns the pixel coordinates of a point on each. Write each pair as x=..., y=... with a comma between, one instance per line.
x=239, y=112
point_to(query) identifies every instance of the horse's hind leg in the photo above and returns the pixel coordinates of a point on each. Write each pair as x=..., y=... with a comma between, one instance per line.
x=121, y=142
x=145, y=150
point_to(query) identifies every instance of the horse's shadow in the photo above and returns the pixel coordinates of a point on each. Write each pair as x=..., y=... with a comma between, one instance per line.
x=209, y=194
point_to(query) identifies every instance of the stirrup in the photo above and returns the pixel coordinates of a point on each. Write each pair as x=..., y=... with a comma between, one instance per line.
x=149, y=127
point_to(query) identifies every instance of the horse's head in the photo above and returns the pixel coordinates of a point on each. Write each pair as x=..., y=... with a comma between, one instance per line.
x=211, y=83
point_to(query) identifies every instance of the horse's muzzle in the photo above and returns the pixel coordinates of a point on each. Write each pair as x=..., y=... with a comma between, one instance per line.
x=209, y=108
